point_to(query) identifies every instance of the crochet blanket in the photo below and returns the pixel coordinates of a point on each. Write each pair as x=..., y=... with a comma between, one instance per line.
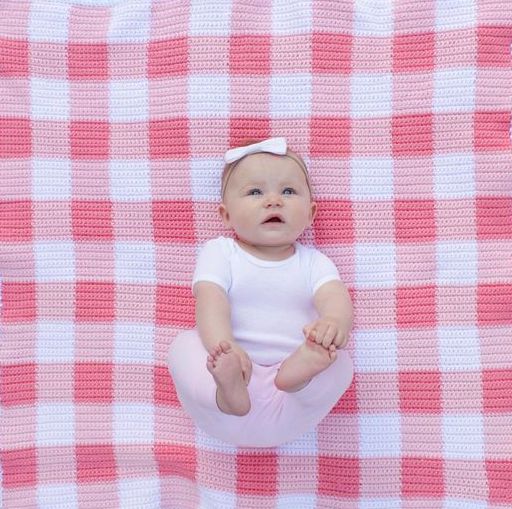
x=114, y=116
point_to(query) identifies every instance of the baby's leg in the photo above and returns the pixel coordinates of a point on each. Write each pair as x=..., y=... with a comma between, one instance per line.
x=226, y=369
x=301, y=366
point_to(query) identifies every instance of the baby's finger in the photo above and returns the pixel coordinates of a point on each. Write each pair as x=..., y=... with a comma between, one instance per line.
x=341, y=340
x=329, y=336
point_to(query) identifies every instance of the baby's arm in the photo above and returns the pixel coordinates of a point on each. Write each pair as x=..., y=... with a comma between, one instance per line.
x=213, y=314
x=213, y=321
x=334, y=307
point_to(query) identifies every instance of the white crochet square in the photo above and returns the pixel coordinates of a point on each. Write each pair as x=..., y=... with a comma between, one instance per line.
x=307, y=443
x=210, y=17
x=49, y=99
x=135, y=262
x=296, y=501
x=459, y=348
x=216, y=498
x=288, y=19
x=49, y=21
x=135, y=493
x=463, y=437
x=371, y=178
x=130, y=21
x=133, y=423
x=463, y=503
x=454, y=90
x=55, y=342
x=373, y=18
x=206, y=441
x=379, y=436
x=454, y=176
x=54, y=261
x=208, y=96
x=134, y=343
x=57, y=495
x=205, y=179
x=290, y=95
x=455, y=14
x=375, y=265
x=51, y=179
x=371, y=95
x=376, y=351
x=128, y=100
x=380, y=503
x=55, y=424
x=130, y=180
x=457, y=263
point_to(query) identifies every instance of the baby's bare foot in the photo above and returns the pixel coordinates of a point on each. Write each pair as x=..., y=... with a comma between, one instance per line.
x=303, y=364
x=225, y=366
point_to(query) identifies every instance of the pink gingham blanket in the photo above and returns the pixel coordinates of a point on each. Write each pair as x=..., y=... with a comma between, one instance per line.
x=114, y=116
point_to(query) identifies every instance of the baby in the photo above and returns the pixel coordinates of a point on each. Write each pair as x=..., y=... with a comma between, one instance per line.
x=271, y=314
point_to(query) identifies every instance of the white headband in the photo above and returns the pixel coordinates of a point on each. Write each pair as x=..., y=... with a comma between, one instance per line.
x=275, y=146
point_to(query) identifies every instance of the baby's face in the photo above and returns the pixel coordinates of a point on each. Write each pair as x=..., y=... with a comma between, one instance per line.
x=267, y=201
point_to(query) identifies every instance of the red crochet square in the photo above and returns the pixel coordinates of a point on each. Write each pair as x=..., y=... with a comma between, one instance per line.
x=173, y=221
x=95, y=301
x=332, y=53
x=92, y=220
x=174, y=305
x=14, y=56
x=492, y=130
x=422, y=477
x=249, y=54
x=414, y=53
x=94, y=382
x=90, y=140
x=16, y=220
x=420, y=392
x=15, y=138
x=415, y=306
x=176, y=460
x=497, y=390
x=168, y=57
x=95, y=463
x=334, y=222
x=494, y=304
x=415, y=221
x=330, y=136
x=493, y=46
x=169, y=138
x=248, y=128
x=19, y=467
x=499, y=481
x=88, y=61
x=339, y=477
x=18, y=384
x=257, y=474
x=493, y=217
x=19, y=302
x=412, y=135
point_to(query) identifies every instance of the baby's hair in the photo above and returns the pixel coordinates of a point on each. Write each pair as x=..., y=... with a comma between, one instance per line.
x=250, y=141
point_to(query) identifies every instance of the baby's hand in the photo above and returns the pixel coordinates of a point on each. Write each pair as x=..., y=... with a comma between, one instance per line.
x=326, y=331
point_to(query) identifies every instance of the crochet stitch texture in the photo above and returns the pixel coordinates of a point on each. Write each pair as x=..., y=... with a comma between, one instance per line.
x=114, y=117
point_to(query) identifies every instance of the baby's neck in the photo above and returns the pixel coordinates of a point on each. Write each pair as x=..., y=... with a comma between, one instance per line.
x=271, y=253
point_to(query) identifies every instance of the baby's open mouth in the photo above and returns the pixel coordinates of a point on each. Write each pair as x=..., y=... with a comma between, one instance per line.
x=274, y=219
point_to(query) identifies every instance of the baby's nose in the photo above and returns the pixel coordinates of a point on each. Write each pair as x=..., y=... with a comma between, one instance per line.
x=274, y=199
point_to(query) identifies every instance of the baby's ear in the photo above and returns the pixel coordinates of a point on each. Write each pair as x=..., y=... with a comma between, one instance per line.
x=224, y=214
x=312, y=212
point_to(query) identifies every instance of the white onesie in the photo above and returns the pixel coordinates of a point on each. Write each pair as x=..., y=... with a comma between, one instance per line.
x=271, y=301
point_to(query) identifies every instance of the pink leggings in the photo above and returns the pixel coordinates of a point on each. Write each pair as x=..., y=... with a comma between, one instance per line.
x=275, y=416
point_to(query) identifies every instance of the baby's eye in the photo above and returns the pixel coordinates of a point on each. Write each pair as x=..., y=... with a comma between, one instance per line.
x=254, y=192
x=289, y=190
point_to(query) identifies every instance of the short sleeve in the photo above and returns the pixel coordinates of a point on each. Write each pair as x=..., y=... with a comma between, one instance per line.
x=323, y=270
x=213, y=264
